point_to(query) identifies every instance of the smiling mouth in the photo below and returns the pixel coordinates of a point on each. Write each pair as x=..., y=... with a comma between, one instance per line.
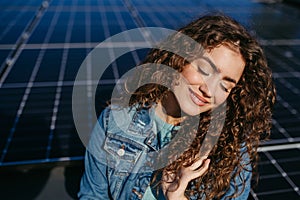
x=198, y=100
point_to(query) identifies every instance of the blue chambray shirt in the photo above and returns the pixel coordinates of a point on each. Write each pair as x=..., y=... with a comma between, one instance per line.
x=116, y=157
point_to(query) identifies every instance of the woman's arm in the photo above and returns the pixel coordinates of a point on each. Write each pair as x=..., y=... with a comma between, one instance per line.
x=94, y=184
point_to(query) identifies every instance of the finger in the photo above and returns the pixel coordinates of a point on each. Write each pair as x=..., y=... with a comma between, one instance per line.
x=198, y=164
x=198, y=173
x=203, y=168
x=189, y=174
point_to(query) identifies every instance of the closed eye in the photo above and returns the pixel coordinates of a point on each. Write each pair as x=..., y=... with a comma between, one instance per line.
x=200, y=69
x=224, y=88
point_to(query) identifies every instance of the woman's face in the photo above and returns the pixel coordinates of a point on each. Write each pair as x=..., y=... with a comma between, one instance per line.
x=207, y=81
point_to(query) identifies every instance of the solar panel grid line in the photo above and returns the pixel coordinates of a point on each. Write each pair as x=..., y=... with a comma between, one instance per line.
x=278, y=147
x=283, y=173
x=280, y=99
x=269, y=192
x=29, y=86
x=88, y=37
x=272, y=192
x=280, y=42
x=104, y=23
x=288, y=106
x=78, y=45
x=139, y=21
x=279, y=141
x=90, y=7
x=45, y=44
x=89, y=45
x=269, y=176
x=158, y=21
x=194, y=7
x=36, y=84
x=292, y=55
x=281, y=160
x=20, y=5
x=53, y=84
x=284, y=11
x=153, y=17
x=23, y=102
x=291, y=74
x=290, y=159
x=6, y=67
x=14, y=21
x=88, y=23
x=110, y=51
x=136, y=16
x=289, y=85
x=28, y=162
x=253, y=194
x=288, y=54
x=60, y=78
x=127, y=37
x=11, y=22
x=282, y=130
x=174, y=22
x=134, y=13
x=281, y=64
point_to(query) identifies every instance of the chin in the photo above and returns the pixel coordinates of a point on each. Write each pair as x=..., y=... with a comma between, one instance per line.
x=195, y=111
x=191, y=111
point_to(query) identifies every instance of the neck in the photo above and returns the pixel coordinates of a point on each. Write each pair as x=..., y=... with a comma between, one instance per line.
x=168, y=110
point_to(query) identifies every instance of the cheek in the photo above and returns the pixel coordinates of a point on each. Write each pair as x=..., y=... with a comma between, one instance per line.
x=220, y=97
x=191, y=76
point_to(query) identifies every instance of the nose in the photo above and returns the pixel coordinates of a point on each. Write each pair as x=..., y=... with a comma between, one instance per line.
x=204, y=90
x=209, y=85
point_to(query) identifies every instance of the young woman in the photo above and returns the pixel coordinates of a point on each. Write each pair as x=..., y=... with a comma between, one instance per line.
x=159, y=146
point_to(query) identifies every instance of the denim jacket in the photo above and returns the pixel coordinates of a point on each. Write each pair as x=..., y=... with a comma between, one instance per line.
x=116, y=157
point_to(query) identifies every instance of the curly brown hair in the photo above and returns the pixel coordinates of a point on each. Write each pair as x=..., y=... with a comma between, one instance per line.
x=248, y=106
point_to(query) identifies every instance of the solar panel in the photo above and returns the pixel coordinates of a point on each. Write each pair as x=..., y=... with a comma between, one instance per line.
x=42, y=45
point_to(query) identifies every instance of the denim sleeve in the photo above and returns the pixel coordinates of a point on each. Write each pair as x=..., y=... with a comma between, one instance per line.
x=94, y=184
x=243, y=178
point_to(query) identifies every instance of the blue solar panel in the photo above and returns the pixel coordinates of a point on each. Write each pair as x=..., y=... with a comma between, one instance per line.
x=43, y=43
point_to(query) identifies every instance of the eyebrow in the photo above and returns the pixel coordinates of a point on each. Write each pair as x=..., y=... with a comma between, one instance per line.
x=216, y=69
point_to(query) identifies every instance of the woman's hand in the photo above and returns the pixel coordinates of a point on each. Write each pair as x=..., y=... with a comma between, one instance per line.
x=187, y=174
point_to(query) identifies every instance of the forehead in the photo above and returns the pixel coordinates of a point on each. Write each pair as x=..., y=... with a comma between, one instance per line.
x=226, y=54
x=227, y=61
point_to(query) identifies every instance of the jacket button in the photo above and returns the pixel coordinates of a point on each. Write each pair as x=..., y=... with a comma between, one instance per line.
x=121, y=152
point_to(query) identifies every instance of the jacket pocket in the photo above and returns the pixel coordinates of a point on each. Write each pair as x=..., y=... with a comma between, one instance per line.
x=123, y=153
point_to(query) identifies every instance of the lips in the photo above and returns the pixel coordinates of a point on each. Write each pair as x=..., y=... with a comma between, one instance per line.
x=198, y=100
